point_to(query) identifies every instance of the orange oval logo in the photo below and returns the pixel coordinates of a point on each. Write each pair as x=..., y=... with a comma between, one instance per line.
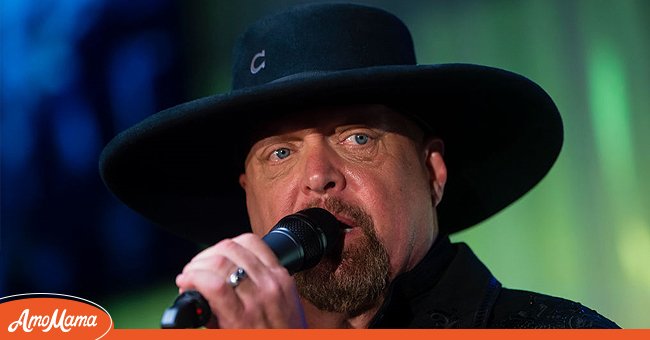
x=48, y=315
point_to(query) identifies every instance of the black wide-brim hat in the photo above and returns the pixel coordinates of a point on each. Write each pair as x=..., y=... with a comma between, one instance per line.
x=180, y=167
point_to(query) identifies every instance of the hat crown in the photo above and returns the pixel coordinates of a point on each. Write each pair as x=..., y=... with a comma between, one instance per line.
x=319, y=38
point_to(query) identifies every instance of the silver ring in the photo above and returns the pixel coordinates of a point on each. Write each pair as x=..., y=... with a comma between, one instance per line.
x=236, y=277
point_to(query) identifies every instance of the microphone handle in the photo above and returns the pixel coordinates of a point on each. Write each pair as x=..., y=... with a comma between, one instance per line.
x=190, y=310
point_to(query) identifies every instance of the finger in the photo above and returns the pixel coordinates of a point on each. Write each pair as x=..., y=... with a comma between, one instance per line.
x=216, y=259
x=280, y=313
x=276, y=286
x=218, y=264
x=274, y=302
x=246, y=258
x=214, y=288
x=266, y=299
x=259, y=247
x=248, y=240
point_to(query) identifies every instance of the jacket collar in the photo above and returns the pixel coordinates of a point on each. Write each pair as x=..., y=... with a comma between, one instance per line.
x=449, y=288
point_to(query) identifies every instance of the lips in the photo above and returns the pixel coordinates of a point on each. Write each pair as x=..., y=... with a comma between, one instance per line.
x=346, y=223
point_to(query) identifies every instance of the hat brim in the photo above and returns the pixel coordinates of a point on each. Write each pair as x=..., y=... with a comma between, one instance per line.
x=180, y=167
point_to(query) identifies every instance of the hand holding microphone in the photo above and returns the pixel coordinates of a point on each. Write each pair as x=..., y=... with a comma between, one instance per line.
x=297, y=242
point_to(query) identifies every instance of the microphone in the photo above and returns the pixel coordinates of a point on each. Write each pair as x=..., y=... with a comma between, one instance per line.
x=298, y=240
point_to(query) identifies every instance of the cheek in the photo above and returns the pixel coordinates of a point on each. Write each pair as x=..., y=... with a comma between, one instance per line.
x=396, y=188
x=399, y=200
x=267, y=202
x=253, y=202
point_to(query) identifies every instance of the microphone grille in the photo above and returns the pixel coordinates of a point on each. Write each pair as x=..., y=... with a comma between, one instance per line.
x=316, y=230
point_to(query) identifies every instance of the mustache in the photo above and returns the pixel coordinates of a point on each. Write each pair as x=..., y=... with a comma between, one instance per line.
x=337, y=206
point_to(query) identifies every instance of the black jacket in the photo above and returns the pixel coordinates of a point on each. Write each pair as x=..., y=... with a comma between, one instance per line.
x=451, y=288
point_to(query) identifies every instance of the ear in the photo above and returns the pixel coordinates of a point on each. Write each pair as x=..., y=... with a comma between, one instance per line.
x=437, y=170
x=242, y=181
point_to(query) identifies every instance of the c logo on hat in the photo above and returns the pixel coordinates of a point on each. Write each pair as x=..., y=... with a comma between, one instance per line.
x=255, y=69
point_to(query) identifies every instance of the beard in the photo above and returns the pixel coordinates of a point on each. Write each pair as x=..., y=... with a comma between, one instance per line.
x=351, y=281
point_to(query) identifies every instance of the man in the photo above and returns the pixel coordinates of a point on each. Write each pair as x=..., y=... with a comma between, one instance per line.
x=328, y=109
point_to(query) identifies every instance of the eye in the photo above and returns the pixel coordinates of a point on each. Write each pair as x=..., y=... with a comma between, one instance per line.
x=359, y=138
x=282, y=153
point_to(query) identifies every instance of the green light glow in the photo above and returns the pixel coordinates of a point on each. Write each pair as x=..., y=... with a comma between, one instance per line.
x=634, y=251
x=612, y=126
x=611, y=115
x=611, y=118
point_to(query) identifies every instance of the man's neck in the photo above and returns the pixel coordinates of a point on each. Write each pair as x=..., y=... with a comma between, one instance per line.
x=317, y=318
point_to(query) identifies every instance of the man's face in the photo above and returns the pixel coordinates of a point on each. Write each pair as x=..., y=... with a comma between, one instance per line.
x=371, y=168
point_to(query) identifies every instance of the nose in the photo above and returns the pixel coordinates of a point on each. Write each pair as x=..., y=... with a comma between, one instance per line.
x=322, y=171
